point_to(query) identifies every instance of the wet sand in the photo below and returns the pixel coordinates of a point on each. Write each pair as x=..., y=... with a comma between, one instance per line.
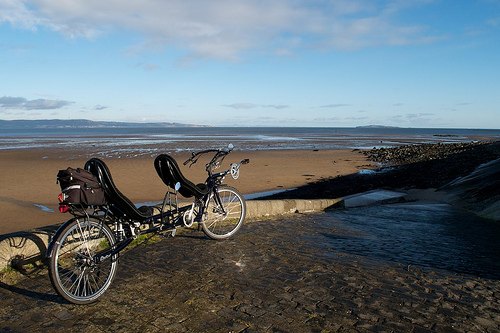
x=28, y=177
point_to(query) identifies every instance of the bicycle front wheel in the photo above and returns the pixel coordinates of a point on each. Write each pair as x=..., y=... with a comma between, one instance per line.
x=224, y=213
x=73, y=271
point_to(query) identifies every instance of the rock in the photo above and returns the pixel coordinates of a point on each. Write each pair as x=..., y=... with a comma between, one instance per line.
x=417, y=153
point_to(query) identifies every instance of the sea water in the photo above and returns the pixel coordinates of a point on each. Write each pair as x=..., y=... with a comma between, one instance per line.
x=148, y=141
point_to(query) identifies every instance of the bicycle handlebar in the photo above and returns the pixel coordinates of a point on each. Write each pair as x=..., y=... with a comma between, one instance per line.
x=215, y=162
x=218, y=157
x=194, y=156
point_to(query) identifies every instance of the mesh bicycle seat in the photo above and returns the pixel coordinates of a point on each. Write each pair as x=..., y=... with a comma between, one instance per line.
x=119, y=203
x=170, y=174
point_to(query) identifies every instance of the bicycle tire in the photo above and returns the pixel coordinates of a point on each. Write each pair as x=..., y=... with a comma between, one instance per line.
x=221, y=222
x=72, y=271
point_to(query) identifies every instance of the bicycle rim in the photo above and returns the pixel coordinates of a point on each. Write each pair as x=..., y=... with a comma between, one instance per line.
x=225, y=216
x=73, y=272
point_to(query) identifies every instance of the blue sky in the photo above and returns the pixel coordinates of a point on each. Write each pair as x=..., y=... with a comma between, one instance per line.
x=408, y=63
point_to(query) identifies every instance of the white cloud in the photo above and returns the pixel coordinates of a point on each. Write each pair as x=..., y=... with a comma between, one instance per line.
x=21, y=103
x=276, y=106
x=253, y=106
x=148, y=66
x=422, y=119
x=412, y=116
x=334, y=105
x=225, y=28
x=99, y=107
x=241, y=105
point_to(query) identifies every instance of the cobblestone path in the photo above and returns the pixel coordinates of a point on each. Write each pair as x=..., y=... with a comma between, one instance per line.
x=271, y=277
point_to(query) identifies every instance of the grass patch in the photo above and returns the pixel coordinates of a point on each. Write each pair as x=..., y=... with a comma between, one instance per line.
x=144, y=239
x=10, y=276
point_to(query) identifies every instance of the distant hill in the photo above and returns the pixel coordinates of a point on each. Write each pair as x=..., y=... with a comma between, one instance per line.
x=377, y=126
x=83, y=123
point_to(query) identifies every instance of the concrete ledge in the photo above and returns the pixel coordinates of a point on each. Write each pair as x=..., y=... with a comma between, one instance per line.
x=265, y=208
x=23, y=249
x=374, y=197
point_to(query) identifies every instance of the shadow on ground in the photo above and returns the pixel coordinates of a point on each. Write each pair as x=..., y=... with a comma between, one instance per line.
x=432, y=173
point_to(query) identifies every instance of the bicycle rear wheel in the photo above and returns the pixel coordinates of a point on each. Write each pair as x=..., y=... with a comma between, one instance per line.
x=73, y=272
x=224, y=214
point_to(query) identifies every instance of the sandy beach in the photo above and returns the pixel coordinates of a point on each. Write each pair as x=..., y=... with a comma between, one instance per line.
x=28, y=177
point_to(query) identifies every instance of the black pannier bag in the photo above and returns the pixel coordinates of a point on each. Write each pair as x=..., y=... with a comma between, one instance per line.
x=80, y=187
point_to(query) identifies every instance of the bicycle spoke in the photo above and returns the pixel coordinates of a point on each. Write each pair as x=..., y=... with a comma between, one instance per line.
x=225, y=213
x=83, y=236
x=73, y=271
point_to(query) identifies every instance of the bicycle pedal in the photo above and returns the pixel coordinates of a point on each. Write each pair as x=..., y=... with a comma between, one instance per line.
x=168, y=233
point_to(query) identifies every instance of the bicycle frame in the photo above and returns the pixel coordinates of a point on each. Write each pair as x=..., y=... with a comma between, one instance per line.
x=167, y=220
x=83, y=253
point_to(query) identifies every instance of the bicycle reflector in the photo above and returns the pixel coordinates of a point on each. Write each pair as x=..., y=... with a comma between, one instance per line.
x=63, y=208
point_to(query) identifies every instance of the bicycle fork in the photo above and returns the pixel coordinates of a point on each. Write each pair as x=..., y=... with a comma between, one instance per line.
x=218, y=205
